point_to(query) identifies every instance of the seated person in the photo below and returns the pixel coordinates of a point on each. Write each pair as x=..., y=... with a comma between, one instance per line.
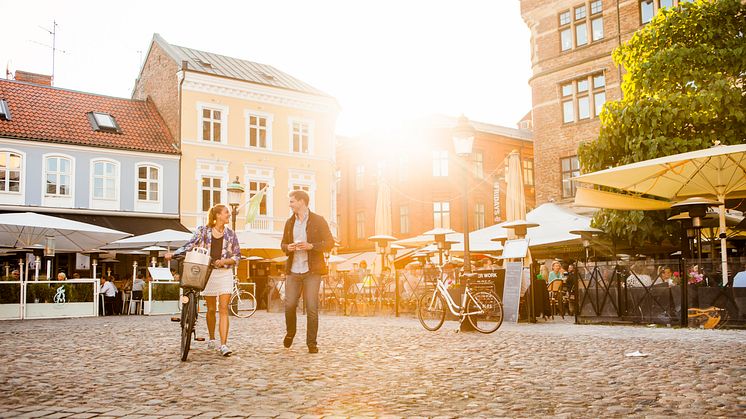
x=109, y=291
x=61, y=276
x=556, y=274
x=740, y=279
x=666, y=277
x=639, y=280
x=137, y=286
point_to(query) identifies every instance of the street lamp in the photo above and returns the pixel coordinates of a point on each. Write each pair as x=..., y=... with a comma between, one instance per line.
x=382, y=246
x=463, y=141
x=235, y=192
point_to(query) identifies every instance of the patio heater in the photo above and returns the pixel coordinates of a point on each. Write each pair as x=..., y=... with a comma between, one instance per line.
x=382, y=247
x=520, y=229
x=463, y=142
x=49, y=248
x=586, y=235
x=695, y=209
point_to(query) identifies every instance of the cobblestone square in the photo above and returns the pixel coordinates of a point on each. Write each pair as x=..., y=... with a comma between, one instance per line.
x=128, y=366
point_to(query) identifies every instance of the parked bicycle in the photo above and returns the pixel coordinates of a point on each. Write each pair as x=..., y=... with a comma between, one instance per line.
x=483, y=309
x=189, y=313
x=243, y=303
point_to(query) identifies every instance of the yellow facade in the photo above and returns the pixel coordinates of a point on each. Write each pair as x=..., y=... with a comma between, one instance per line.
x=220, y=119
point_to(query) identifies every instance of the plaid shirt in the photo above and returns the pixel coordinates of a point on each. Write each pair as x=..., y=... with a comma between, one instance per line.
x=203, y=238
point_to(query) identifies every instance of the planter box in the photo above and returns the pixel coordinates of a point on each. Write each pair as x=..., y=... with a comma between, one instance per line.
x=10, y=311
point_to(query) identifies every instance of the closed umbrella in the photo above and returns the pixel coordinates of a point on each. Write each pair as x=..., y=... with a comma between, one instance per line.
x=717, y=172
x=515, y=196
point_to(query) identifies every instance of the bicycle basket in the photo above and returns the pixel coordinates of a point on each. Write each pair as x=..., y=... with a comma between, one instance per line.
x=197, y=269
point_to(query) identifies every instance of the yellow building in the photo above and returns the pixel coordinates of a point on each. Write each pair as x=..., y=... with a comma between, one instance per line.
x=240, y=119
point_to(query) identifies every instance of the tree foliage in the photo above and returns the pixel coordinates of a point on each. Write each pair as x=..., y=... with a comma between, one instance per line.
x=683, y=91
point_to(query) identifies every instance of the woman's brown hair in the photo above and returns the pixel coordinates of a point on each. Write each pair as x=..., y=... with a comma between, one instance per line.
x=212, y=215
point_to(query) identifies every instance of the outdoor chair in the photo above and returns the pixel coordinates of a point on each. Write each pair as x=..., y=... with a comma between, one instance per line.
x=556, y=298
x=129, y=302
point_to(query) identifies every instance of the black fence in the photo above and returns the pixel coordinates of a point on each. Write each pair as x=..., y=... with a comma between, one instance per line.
x=650, y=292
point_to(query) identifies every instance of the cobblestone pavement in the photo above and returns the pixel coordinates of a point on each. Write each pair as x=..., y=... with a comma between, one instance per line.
x=128, y=366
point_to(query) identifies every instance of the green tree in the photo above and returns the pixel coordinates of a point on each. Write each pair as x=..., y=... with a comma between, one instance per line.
x=683, y=90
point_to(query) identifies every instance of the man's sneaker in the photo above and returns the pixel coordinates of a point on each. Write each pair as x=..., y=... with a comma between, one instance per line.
x=225, y=351
x=212, y=344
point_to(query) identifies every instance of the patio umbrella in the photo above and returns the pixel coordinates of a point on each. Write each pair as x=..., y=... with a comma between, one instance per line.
x=717, y=172
x=27, y=229
x=168, y=238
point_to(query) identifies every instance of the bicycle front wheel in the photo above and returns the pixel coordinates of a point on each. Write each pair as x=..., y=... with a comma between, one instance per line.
x=188, y=318
x=488, y=309
x=431, y=311
x=243, y=304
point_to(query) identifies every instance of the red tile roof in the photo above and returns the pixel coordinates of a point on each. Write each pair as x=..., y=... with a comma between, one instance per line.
x=43, y=113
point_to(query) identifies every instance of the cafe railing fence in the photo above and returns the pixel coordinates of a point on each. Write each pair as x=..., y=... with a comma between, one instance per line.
x=49, y=299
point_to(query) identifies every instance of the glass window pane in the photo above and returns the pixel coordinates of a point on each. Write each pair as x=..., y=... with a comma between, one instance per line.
x=584, y=107
x=216, y=131
x=599, y=81
x=52, y=164
x=206, y=130
x=153, y=195
x=646, y=11
x=566, y=39
x=15, y=161
x=599, y=99
x=565, y=165
x=581, y=34
x=153, y=173
x=580, y=13
x=51, y=185
x=110, y=169
x=98, y=169
x=216, y=182
x=666, y=3
x=575, y=165
x=597, y=25
x=567, y=89
x=154, y=186
x=3, y=157
x=216, y=115
x=568, y=114
x=205, y=182
x=142, y=172
x=205, y=200
x=142, y=195
x=596, y=7
x=582, y=85
x=14, y=186
x=205, y=113
x=564, y=18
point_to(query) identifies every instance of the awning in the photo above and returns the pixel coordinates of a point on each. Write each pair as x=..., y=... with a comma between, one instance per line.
x=132, y=225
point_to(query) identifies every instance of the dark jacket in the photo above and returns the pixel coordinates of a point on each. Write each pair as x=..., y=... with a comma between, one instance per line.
x=320, y=237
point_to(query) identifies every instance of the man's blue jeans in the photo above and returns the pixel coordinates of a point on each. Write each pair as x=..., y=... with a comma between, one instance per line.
x=308, y=284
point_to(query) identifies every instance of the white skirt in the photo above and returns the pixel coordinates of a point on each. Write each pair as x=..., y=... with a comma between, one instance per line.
x=220, y=282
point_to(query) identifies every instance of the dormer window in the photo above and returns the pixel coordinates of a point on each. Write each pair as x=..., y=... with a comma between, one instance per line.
x=4, y=110
x=103, y=122
x=204, y=63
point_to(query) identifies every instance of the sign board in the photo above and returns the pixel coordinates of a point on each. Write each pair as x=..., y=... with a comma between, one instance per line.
x=496, y=201
x=512, y=290
x=515, y=249
x=82, y=262
x=161, y=274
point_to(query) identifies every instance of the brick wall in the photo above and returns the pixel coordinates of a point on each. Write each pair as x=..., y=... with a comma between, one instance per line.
x=158, y=81
x=552, y=67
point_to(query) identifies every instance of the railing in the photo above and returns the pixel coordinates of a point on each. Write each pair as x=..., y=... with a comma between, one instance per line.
x=11, y=297
x=643, y=292
x=59, y=299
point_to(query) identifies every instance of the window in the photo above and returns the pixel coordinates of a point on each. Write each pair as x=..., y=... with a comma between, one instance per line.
x=147, y=183
x=479, y=215
x=105, y=180
x=212, y=188
x=648, y=8
x=404, y=219
x=212, y=125
x=254, y=187
x=300, y=137
x=4, y=110
x=575, y=32
x=359, y=177
x=360, y=225
x=580, y=96
x=478, y=158
x=570, y=168
x=58, y=176
x=259, y=130
x=440, y=163
x=442, y=214
x=103, y=122
x=528, y=172
x=10, y=171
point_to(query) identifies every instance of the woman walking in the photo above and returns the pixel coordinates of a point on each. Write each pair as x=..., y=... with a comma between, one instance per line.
x=225, y=252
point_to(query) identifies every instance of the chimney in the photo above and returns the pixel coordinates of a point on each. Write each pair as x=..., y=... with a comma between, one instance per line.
x=33, y=78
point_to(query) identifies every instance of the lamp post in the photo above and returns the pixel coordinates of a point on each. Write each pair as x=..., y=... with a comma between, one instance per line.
x=49, y=249
x=463, y=141
x=235, y=192
x=382, y=247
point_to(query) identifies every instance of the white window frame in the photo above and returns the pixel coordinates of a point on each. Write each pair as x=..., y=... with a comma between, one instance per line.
x=574, y=97
x=105, y=203
x=440, y=163
x=248, y=113
x=15, y=198
x=223, y=122
x=479, y=215
x=360, y=225
x=264, y=174
x=478, y=164
x=440, y=213
x=304, y=178
x=311, y=126
x=148, y=205
x=574, y=23
x=404, y=219
x=59, y=201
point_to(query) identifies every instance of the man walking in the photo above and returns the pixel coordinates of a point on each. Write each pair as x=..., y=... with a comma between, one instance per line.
x=305, y=239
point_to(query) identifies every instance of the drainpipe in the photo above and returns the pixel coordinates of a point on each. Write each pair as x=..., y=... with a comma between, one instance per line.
x=619, y=43
x=184, y=67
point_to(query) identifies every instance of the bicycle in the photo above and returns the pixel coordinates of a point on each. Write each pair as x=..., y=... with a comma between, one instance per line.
x=243, y=303
x=188, y=320
x=483, y=308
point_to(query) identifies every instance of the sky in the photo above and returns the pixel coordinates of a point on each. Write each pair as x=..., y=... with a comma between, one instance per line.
x=384, y=61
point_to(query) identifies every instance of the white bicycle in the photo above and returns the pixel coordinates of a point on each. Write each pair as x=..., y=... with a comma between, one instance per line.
x=243, y=303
